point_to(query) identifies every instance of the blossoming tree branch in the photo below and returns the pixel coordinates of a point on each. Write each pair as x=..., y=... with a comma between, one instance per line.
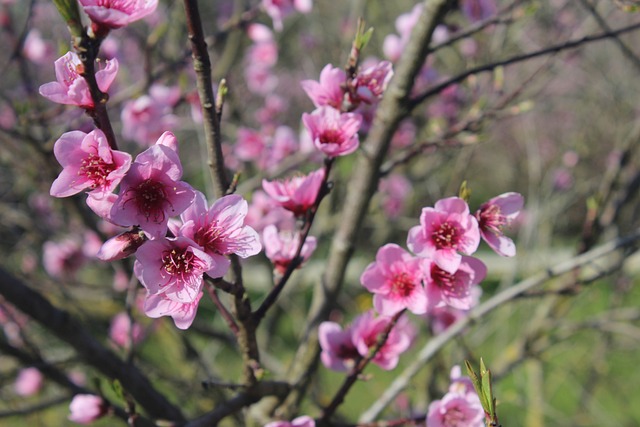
x=240, y=223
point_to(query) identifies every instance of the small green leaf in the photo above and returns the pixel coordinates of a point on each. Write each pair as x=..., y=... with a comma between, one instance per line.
x=117, y=389
x=464, y=193
x=68, y=9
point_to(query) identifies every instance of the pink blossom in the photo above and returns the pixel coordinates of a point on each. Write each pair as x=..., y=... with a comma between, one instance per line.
x=393, y=44
x=297, y=194
x=455, y=410
x=182, y=313
x=28, y=382
x=220, y=230
x=281, y=246
x=454, y=289
x=443, y=231
x=372, y=81
x=71, y=88
x=121, y=246
x=366, y=329
x=303, y=421
x=332, y=132
x=174, y=268
x=89, y=163
x=263, y=53
x=36, y=49
x=121, y=331
x=394, y=191
x=250, y=144
x=405, y=135
x=260, y=79
x=280, y=9
x=263, y=211
x=338, y=350
x=151, y=192
x=86, y=408
x=478, y=10
x=63, y=259
x=283, y=144
x=118, y=13
x=259, y=33
x=395, y=278
x=329, y=90
x=147, y=117
x=496, y=214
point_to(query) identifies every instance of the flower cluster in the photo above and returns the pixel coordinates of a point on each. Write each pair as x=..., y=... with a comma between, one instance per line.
x=437, y=276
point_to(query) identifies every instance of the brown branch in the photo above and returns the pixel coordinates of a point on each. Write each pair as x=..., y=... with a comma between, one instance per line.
x=71, y=331
x=202, y=67
x=572, y=44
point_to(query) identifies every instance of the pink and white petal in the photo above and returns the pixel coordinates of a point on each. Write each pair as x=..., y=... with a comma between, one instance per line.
x=68, y=183
x=106, y=76
x=452, y=205
x=387, y=305
x=502, y=245
x=509, y=203
x=220, y=266
x=447, y=259
x=417, y=243
x=102, y=205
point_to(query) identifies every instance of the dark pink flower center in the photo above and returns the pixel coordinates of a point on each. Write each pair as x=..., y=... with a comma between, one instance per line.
x=441, y=278
x=210, y=237
x=179, y=262
x=446, y=236
x=346, y=351
x=150, y=198
x=127, y=6
x=96, y=170
x=454, y=417
x=330, y=136
x=73, y=72
x=491, y=219
x=402, y=285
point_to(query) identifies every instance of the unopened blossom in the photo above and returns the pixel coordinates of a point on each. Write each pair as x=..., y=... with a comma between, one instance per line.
x=329, y=90
x=71, y=88
x=280, y=9
x=121, y=246
x=338, y=350
x=174, y=268
x=88, y=163
x=122, y=331
x=303, y=421
x=366, y=330
x=494, y=216
x=332, y=132
x=118, y=13
x=297, y=194
x=182, y=313
x=395, y=279
x=147, y=117
x=151, y=191
x=478, y=10
x=86, y=408
x=28, y=382
x=372, y=81
x=454, y=289
x=220, y=230
x=445, y=230
x=281, y=245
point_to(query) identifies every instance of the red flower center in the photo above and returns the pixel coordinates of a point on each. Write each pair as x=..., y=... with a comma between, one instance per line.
x=402, y=285
x=178, y=262
x=150, y=198
x=330, y=136
x=96, y=170
x=446, y=236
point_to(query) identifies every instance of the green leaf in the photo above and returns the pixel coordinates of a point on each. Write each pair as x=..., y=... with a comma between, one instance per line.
x=117, y=389
x=464, y=193
x=68, y=9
